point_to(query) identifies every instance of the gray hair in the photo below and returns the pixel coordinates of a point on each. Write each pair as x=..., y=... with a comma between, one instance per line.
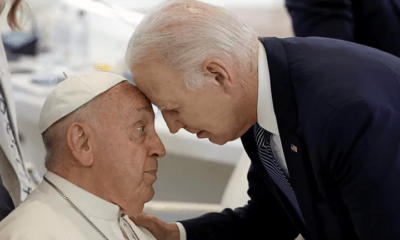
x=184, y=33
x=54, y=136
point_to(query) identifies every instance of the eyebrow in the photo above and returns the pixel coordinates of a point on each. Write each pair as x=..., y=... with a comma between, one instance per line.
x=162, y=107
x=143, y=108
x=138, y=116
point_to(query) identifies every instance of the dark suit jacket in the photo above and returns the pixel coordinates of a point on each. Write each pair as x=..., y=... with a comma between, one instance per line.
x=6, y=204
x=338, y=103
x=375, y=23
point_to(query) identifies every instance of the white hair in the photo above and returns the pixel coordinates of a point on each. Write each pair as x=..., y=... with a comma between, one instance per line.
x=53, y=137
x=184, y=33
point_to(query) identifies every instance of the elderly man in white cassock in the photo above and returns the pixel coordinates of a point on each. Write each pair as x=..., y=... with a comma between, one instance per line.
x=102, y=158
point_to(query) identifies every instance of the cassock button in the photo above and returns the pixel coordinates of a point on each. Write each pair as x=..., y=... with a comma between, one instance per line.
x=293, y=147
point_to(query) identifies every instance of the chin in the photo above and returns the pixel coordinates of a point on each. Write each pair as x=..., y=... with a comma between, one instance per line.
x=222, y=139
x=135, y=205
x=149, y=195
x=218, y=141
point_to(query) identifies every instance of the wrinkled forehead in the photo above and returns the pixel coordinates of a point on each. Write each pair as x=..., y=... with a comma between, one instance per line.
x=125, y=91
x=123, y=98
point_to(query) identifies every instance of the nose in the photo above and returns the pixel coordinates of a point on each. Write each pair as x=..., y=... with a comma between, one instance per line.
x=158, y=149
x=172, y=122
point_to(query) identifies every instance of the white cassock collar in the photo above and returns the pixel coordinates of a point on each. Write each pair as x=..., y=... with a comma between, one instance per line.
x=84, y=200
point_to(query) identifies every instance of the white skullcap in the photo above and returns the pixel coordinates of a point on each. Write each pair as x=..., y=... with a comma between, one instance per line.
x=74, y=92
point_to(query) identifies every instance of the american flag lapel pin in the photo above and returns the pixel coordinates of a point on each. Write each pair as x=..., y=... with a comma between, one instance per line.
x=293, y=147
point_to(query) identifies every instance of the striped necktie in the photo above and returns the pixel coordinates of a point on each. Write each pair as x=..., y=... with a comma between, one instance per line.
x=271, y=165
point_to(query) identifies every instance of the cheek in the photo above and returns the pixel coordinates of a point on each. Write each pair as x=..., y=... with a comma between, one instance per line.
x=130, y=179
x=195, y=115
x=133, y=160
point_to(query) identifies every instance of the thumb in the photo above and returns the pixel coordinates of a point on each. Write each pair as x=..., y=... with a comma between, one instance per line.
x=157, y=227
x=160, y=230
x=146, y=220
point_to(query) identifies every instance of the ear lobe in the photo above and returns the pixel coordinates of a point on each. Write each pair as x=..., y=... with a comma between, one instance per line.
x=79, y=143
x=218, y=70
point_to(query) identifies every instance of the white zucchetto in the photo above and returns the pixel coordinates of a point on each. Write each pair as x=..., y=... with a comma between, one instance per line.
x=73, y=93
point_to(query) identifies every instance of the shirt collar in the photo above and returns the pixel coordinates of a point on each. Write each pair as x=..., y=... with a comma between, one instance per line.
x=85, y=201
x=265, y=110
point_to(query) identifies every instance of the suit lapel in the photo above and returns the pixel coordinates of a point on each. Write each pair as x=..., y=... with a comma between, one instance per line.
x=301, y=175
x=251, y=148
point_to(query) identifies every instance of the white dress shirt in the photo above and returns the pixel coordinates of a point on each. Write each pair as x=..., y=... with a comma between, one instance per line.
x=45, y=214
x=265, y=110
x=265, y=115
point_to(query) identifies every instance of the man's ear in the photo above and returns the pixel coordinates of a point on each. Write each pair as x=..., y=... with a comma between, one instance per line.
x=79, y=139
x=219, y=71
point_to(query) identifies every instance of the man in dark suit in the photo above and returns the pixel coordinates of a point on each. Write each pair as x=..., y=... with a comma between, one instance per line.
x=318, y=117
x=6, y=204
x=368, y=22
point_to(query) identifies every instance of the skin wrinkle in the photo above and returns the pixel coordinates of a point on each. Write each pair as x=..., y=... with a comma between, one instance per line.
x=124, y=148
x=202, y=74
x=121, y=167
x=219, y=103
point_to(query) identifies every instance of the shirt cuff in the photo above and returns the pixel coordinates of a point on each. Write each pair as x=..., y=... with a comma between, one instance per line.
x=182, y=231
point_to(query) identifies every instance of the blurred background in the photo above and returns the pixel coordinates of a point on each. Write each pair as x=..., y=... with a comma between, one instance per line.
x=83, y=35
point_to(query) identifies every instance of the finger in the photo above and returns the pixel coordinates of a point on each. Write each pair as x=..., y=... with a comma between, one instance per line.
x=153, y=224
x=143, y=219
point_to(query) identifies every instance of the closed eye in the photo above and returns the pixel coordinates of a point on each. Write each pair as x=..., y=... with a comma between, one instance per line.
x=173, y=110
x=159, y=108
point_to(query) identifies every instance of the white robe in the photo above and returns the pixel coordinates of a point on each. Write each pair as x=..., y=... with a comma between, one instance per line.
x=12, y=168
x=46, y=215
